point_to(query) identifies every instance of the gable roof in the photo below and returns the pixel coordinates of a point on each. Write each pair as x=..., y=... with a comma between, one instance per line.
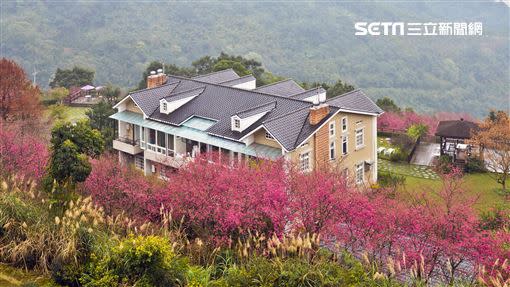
x=460, y=129
x=286, y=116
x=308, y=93
x=148, y=99
x=218, y=77
x=256, y=110
x=284, y=88
x=355, y=101
x=186, y=94
x=238, y=81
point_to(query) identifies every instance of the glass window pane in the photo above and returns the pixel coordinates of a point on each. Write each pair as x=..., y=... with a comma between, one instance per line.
x=152, y=136
x=161, y=139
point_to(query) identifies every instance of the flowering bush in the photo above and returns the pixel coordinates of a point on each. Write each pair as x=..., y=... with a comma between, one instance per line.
x=435, y=234
x=222, y=200
x=23, y=158
x=121, y=188
x=401, y=121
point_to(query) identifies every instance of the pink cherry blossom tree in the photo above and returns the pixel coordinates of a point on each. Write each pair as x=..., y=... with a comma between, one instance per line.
x=23, y=158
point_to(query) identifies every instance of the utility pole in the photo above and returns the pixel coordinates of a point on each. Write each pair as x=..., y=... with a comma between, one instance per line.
x=34, y=83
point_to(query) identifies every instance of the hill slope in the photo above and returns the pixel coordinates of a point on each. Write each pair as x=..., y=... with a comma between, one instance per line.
x=306, y=41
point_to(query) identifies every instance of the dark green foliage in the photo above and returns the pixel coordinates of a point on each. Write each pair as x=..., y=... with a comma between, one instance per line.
x=388, y=105
x=71, y=145
x=386, y=179
x=338, y=88
x=229, y=64
x=207, y=64
x=444, y=164
x=169, y=69
x=493, y=219
x=75, y=77
x=67, y=163
x=474, y=165
x=403, y=141
x=99, y=119
x=111, y=94
x=399, y=155
x=87, y=140
x=310, y=42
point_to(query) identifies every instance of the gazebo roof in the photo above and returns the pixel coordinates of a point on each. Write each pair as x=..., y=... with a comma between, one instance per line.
x=459, y=129
x=87, y=88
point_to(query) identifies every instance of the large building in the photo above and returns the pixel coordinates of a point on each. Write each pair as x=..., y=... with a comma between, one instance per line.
x=176, y=118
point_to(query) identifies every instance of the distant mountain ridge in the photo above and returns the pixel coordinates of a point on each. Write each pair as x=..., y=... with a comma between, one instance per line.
x=312, y=41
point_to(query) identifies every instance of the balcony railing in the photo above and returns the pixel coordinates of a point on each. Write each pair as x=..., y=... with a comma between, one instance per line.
x=157, y=149
x=129, y=141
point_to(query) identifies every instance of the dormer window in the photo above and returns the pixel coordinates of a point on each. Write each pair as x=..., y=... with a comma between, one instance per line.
x=245, y=118
x=165, y=106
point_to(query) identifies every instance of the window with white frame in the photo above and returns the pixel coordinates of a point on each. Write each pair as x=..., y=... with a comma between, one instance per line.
x=344, y=124
x=269, y=136
x=165, y=106
x=304, y=161
x=332, y=129
x=332, y=150
x=344, y=145
x=360, y=170
x=237, y=123
x=360, y=141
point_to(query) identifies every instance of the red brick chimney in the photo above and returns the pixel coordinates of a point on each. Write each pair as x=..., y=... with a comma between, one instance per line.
x=317, y=113
x=156, y=79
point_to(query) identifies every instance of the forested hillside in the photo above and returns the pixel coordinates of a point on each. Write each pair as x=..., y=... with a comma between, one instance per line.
x=305, y=41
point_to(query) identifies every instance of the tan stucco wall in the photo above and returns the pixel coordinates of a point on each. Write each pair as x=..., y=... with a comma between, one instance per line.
x=319, y=144
x=260, y=138
x=130, y=106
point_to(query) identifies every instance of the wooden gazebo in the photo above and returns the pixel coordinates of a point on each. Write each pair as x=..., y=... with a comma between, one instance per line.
x=453, y=136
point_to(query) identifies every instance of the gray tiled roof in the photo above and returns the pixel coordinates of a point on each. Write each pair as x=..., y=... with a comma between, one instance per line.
x=284, y=88
x=355, y=101
x=308, y=93
x=185, y=94
x=218, y=77
x=293, y=128
x=460, y=129
x=267, y=107
x=286, y=119
x=148, y=99
x=238, y=81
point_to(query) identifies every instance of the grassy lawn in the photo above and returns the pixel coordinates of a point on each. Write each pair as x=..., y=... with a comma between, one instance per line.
x=407, y=169
x=481, y=186
x=72, y=114
x=421, y=179
x=10, y=276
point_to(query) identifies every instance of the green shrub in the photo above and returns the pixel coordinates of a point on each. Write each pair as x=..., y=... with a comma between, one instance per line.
x=416, y=131
x=475, y=165
x=444, y=164
x=398, y=155
x=139, y=261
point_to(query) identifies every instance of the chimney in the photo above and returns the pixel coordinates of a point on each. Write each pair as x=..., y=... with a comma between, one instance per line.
x=317, y=113
x=156, y=79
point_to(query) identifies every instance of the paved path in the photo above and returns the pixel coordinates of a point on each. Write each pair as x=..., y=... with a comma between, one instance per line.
x=421, y=171
x=425, y=153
